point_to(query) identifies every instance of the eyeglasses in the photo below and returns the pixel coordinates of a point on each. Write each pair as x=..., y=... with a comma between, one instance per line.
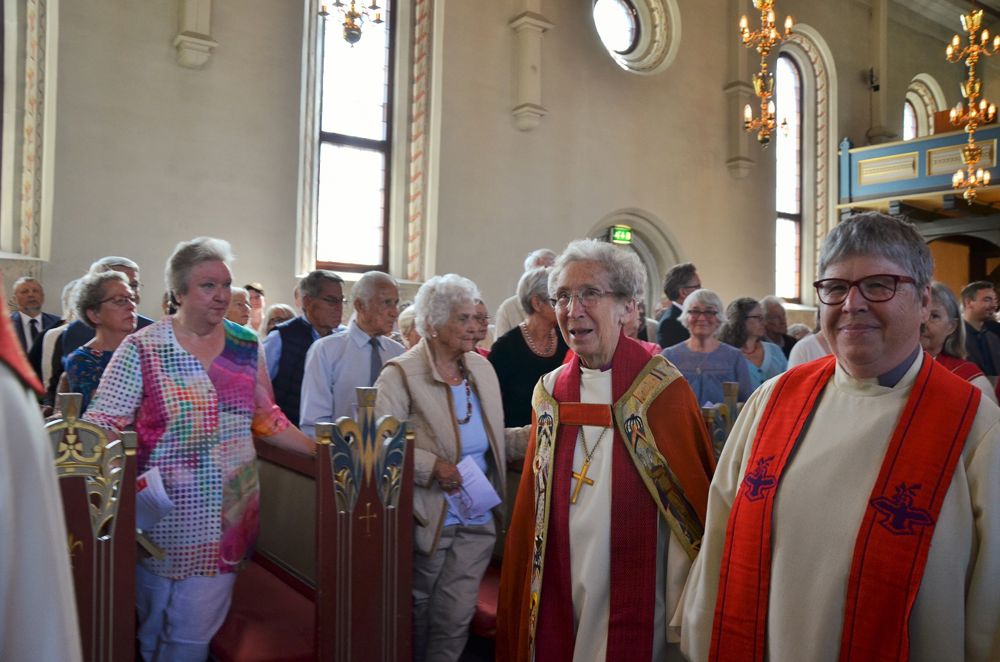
x=119, y=301
x=755, y=317
x=694, y=312
x=695, y=286
x=334, y=301
x=875, y=288
x=587, y=298
x=481, y=319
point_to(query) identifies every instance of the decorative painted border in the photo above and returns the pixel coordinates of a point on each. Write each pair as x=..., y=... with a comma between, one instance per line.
x=419, y=125
x=884, y=169
x=946, y=160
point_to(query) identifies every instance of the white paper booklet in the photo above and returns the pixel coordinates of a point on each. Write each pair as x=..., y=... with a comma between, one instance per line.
x=151, y=500
x=476, y=496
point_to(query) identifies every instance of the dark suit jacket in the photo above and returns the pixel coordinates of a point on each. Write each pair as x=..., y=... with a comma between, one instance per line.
x=671, y=331
x=48, y=321
x=983, y=348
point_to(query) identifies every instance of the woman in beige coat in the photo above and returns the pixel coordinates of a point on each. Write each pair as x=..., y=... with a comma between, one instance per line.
x=451, y=399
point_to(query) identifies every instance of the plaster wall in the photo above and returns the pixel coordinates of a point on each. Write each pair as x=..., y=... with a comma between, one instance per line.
x=150, y=153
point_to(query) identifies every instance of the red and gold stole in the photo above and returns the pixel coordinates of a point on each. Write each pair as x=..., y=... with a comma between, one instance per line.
x=633, y=526
x=894, y=538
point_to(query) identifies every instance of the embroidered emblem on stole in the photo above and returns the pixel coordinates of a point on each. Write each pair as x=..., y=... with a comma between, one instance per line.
x=547, y=412
x=899, y=517
x=660, y=481
x=758, y=481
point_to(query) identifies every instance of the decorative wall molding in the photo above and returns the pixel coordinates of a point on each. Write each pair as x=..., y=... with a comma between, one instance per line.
x=659, y=37
x=742, y=150
x=528, y=111
x=420, y=125
x=816, y=62
x=193, y=42
x=927, y=98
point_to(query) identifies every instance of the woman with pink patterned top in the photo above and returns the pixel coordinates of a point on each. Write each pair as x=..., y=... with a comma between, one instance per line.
x=195, y=388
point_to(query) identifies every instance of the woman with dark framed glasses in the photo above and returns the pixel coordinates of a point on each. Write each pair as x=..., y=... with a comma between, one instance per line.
x=106, y=303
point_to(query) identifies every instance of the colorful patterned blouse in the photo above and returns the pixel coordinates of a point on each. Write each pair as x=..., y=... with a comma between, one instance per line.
x=197, y=427
x=84, y=367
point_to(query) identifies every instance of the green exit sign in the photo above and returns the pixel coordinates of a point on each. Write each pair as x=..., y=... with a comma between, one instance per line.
x=621, y=234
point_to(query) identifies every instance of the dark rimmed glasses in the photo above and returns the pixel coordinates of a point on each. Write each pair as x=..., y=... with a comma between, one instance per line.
x=587, y=298
x=119, y=301
x=876, y=288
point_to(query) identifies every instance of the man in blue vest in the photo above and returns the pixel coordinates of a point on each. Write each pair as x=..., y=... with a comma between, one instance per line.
x=286, y=346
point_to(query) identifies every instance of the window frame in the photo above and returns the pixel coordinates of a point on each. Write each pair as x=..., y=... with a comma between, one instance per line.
x=383, y=146
x=796, y=218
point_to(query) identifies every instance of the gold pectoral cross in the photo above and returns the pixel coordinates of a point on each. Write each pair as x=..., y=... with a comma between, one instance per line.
x=581, y=479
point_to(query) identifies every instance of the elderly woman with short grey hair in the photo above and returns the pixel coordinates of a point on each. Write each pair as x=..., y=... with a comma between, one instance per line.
x=703, y=359
x=591, y=502
x=105, y=303
x=529, y=350
x=194, y=387
x=450, y=397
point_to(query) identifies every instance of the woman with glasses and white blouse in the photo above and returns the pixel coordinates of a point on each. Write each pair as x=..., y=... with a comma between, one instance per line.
x=106, y=303
x=703, y=359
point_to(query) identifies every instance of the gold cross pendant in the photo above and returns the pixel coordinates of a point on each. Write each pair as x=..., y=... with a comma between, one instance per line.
x=581, y=479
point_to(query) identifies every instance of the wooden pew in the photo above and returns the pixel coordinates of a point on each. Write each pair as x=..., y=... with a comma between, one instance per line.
x=720, y=418
x=97, y=483
x=331, y=579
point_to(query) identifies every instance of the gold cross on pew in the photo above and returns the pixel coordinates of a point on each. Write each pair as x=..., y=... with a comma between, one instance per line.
x=581, y=479
x=367, y=517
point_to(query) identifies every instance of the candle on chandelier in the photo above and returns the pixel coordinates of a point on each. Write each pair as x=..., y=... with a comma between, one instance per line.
x=770, y=17
x=747, y=114
x=770, y=109
x=743, y=24
x=986, y=178
x=788, y=24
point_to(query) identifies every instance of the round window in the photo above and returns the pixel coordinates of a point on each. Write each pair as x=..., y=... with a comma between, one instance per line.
x=617, y=25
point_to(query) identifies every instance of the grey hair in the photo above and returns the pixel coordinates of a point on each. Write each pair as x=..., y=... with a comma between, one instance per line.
x=311, y=284
x=542, y=257
x=69, y=299
x=872, y=233
x=533, y=283
x=109, y=262
x=954, y=344
x=799, y=327
x=407, y=319
x=24, y=279
x=437, y=298
x=269, y=314
x=625, y=274
x=187, y=254
x=770, y=300
x=706, y=298
x=90, y=292
x=240, y=290
x=367, y=285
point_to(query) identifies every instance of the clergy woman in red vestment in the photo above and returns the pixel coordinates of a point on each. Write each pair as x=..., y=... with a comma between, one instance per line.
x=611, y=507
x=855, y=512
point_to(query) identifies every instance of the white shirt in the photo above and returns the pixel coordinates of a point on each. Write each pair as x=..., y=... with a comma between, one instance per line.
x=26, y=326
x=37, y=607
x=820, y=502
x=335, y=366
x=509, y=314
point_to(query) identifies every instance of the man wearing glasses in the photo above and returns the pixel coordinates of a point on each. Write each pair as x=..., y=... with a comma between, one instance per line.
x=286, y=346
x=681, y=280
x=854, y=513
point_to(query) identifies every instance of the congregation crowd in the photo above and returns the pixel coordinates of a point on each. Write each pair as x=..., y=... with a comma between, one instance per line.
x=630, y=536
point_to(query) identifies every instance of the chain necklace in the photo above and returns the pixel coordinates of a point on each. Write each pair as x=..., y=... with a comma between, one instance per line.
x=588, y=454
x=550, y=342
x=468, y=396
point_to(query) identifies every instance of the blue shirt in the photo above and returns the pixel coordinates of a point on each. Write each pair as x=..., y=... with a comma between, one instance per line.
x=774, y=364
x=335, y=366
x=475, y=443
x=705, y=371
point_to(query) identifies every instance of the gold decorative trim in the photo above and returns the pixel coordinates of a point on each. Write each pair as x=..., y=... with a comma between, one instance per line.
x=946, y=160
x=885, y=169
x=547, y=415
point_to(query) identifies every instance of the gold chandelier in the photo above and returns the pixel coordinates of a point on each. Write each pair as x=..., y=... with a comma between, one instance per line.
x=763, y=40
x=974, y=110
x=353, y=18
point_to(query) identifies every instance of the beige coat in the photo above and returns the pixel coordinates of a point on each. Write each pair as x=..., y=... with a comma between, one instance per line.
x=411, y=389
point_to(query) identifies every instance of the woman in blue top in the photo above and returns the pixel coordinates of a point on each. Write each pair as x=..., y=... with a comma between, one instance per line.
x=744, y=329
x=704, y=361
x=106, y=303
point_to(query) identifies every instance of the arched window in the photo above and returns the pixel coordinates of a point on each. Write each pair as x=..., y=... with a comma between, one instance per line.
x=788, y=179
x=352, y=183
x=909, y=121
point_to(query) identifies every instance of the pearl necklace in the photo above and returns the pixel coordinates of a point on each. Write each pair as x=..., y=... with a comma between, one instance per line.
x=550, y=343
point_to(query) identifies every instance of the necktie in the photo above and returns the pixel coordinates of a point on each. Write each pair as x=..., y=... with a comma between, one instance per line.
x=34, y=331
x=376, y=365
